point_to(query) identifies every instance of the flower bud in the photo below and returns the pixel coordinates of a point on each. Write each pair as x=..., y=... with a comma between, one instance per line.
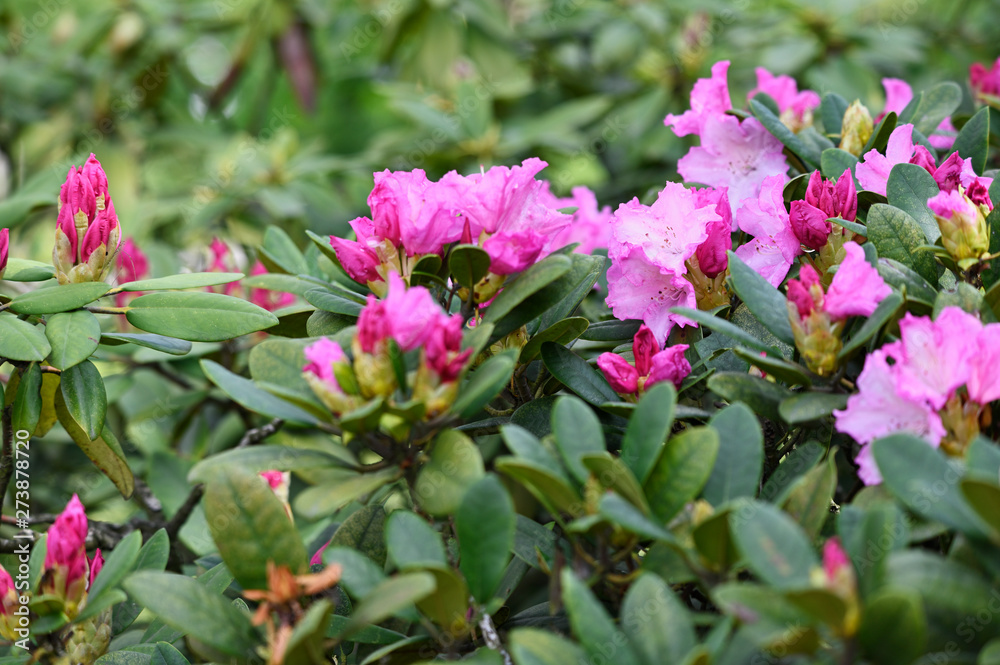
x=669, y=365
x=4, y=248
x=64, y=571
x=624, y=378
x=644, y=347
x=8, y=605
x=837, y=576
x=94, y=567
x=964, y=232
x=328, y=373
x=87, y=231
x=856, y=128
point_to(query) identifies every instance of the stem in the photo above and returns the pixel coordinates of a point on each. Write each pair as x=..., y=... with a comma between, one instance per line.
x=258, y=434
x=97, y=309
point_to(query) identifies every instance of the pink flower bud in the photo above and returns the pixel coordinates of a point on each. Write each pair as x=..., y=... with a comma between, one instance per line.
x=644, y=347
x=800, y=290
x=624, y=378
x=321, y=356
x=948, y=176
x=317, y=558
x=923, y=158
x=8, y=606
x=846, y=196
x=443, y=348
x=373, y=325
x=669, y=365
x=358, y=261
x=979, y=194
x=94, y=173
x=99, y=233
x=95, y=566
x=809, y=224
x=77, y=194
x=65, y=565
x=985, y=82
x=835, y=558
x=4, y=248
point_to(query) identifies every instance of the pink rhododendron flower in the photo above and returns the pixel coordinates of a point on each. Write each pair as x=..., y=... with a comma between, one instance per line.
x=651, y=365
x=317, y=558
x=857, y=288
x=265, y=298
x=95, y=564
x=985, y=82
x=956, y=171
x=878, y=409
x=774, y=245
x=953, y=204
x=87, y=231
x=834, y=558
x=824, y=200
x=590, y=226
x=4, y=249
x=984, y=379
x=443, y=348
x=279, y=483
x=649, y=249
x=65, y=565
x=709, y=97
x=407, y=314
x=796, y=107
x=712, y=254
x=132, y=266
x=321, y=355
x=898, y=94
x=873, y=171
x=223, y=260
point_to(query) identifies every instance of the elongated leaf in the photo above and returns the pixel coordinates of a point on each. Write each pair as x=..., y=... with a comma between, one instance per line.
x=657, y=625
x=809, y=406
x=562, y=332
x=648, y=429
x=773, y=545
x=485, y=525
x=578, y=432
x=188, y=606
x=934, y=106
x=485, y=383
x=263, y=458
x=25, y=270
x=894, y=630
x=176, y=347
x=332, y=302
x=834, y=161
x=808, y=154
x=612, y=474
x=118, y=564
x=246, y=393
x=20, y=340
x=897, y=236
x=197, y=317
x=908, y=188
x=531, y=646
x=250, y=527
x=885, y=311
x=577, y=375
x=761, y=395
x=468, y=264
x=74, y=336
x=61, y=298
x=329, y=497
x=455, y=465
x=524, y=286
x=809, y=499
x=973, y=141
x=682, y=470
x=625, y=514
x=395, y=594
x=193, y=280
x=413, y=543
x=104, y=450
x=727, y=328
x=741, y=455
x=765, y=301
x=612, y=330
x=591, y=623
x=85, y=397
x=27, y=407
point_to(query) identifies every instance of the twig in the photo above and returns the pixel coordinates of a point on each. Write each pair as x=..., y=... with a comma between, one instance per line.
x=180, y=517
x=258, y=434
x=145, y=498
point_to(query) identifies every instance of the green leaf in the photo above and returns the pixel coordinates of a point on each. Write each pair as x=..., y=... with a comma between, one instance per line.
x=562, y=332
x=885, y=312
x=27, y=407
x=60, y=298
x=925, y=481
x=934, y=106
x=811, y=495
x=20, y=340
x=390, y=597
x=612, y=330
x=894, y=628
x=116, y=567
x=657, y=625
x=85, y=397
x=526, y=446
x=902, y=277
x=591, y=623
x=773, y=545
x=329, y=497
x=740, y=460
x=625, y=514
x=533, y=646
x=682, y=471
x=448, y=606
x=188, y=606
x=551, y=490
x=834, y=161
x=984, y=497
x=831, y=112
x=578, y=432
x=250, y=527
x=485, y=383
x=809, y=155
x=369, y=635
x=364, y=530
x=360, y=575
x=246, y=393
x=563, y=296
x=73, y=336
x=152, y=556
x=897, y=236
x=412, y=542
x=332, y=302
x=193, y=280
x=611, y=473
x=455, y=465
x=176, y=347
x=104, y=451
x=576, y=374
x=484, y=523
x=468, y=264
x=793, y=466
x=727, y=328
x=518, y=290
x=973, y=141
x=765, y=301
x=262, y=458
x=879, y=139
x=197, y=317
x=759, y=394
x=810, y=406
x=25, y=270
x=279, y=253
x=648, y=429
x=908, y=188
x=785, y=371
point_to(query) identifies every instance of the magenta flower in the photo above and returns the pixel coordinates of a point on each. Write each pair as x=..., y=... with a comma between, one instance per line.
x=4, y=249
x=898, y=94
x=835, y=559
x=651, y=365
x=94, y=566
x=590, y=227
x=409, y=210
x=878, y=409
x=709, y=98
x=774, y=245
x=443, y=348
x=956, y=171
x=857, y=288
x=873, y=171
x=985, y=83
x=132, y=262
x=824, y=200
x=357, y=257
x=984, y=380
x=712, y=254
x=933, y=358
x=87, y=230
x=669, y=365
x=265, y=298
x=955, y=206
x=623, y=377
x=9, y=604
x=796, y=107
x=65, y=566
x=223, y=260
x=321, y=356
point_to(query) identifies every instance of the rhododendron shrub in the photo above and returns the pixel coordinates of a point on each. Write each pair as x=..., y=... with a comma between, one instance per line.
x=747, y=417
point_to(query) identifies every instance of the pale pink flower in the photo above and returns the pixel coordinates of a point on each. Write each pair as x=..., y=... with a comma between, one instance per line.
x=709, y=97
x=857, y=288
x=984, y=379
x=774, y=245
x=873, y=171
x=638, y=289
x=898, y=94
x=321, y=356
x=785, y=92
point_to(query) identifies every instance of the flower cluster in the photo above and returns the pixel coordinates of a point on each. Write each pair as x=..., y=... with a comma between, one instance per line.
x=818, y=316
x=87, y=233
x=825, y=200
x=651, y=366
x=505, y=210
x=407, y=320
x=937, y=386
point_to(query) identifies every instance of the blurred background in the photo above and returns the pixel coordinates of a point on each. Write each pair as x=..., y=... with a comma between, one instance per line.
x=219, y=117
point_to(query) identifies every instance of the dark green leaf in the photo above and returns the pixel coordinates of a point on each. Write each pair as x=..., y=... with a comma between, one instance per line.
x=455, y=465
x=809, y=406
x=578, y=432
x=741, y=455
x=197, y=317
x=86, y=399
x=973, y=141
x=648, y=429
x=897, y=236
x=591, y=623
x=809, y=155
x=908, y=188
x=894, y=628
x=20, y=340
x=176, y=347
x=765, y=301
x=61, y=298
x=576, y=374
x=262, y=458
x=74, y=336
x=773, y=545
x=246, y=393
x=485, y=383
x=485, y=523
x=192, y=280
x=468, y=264
x=761, y=395
x=682, y=470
